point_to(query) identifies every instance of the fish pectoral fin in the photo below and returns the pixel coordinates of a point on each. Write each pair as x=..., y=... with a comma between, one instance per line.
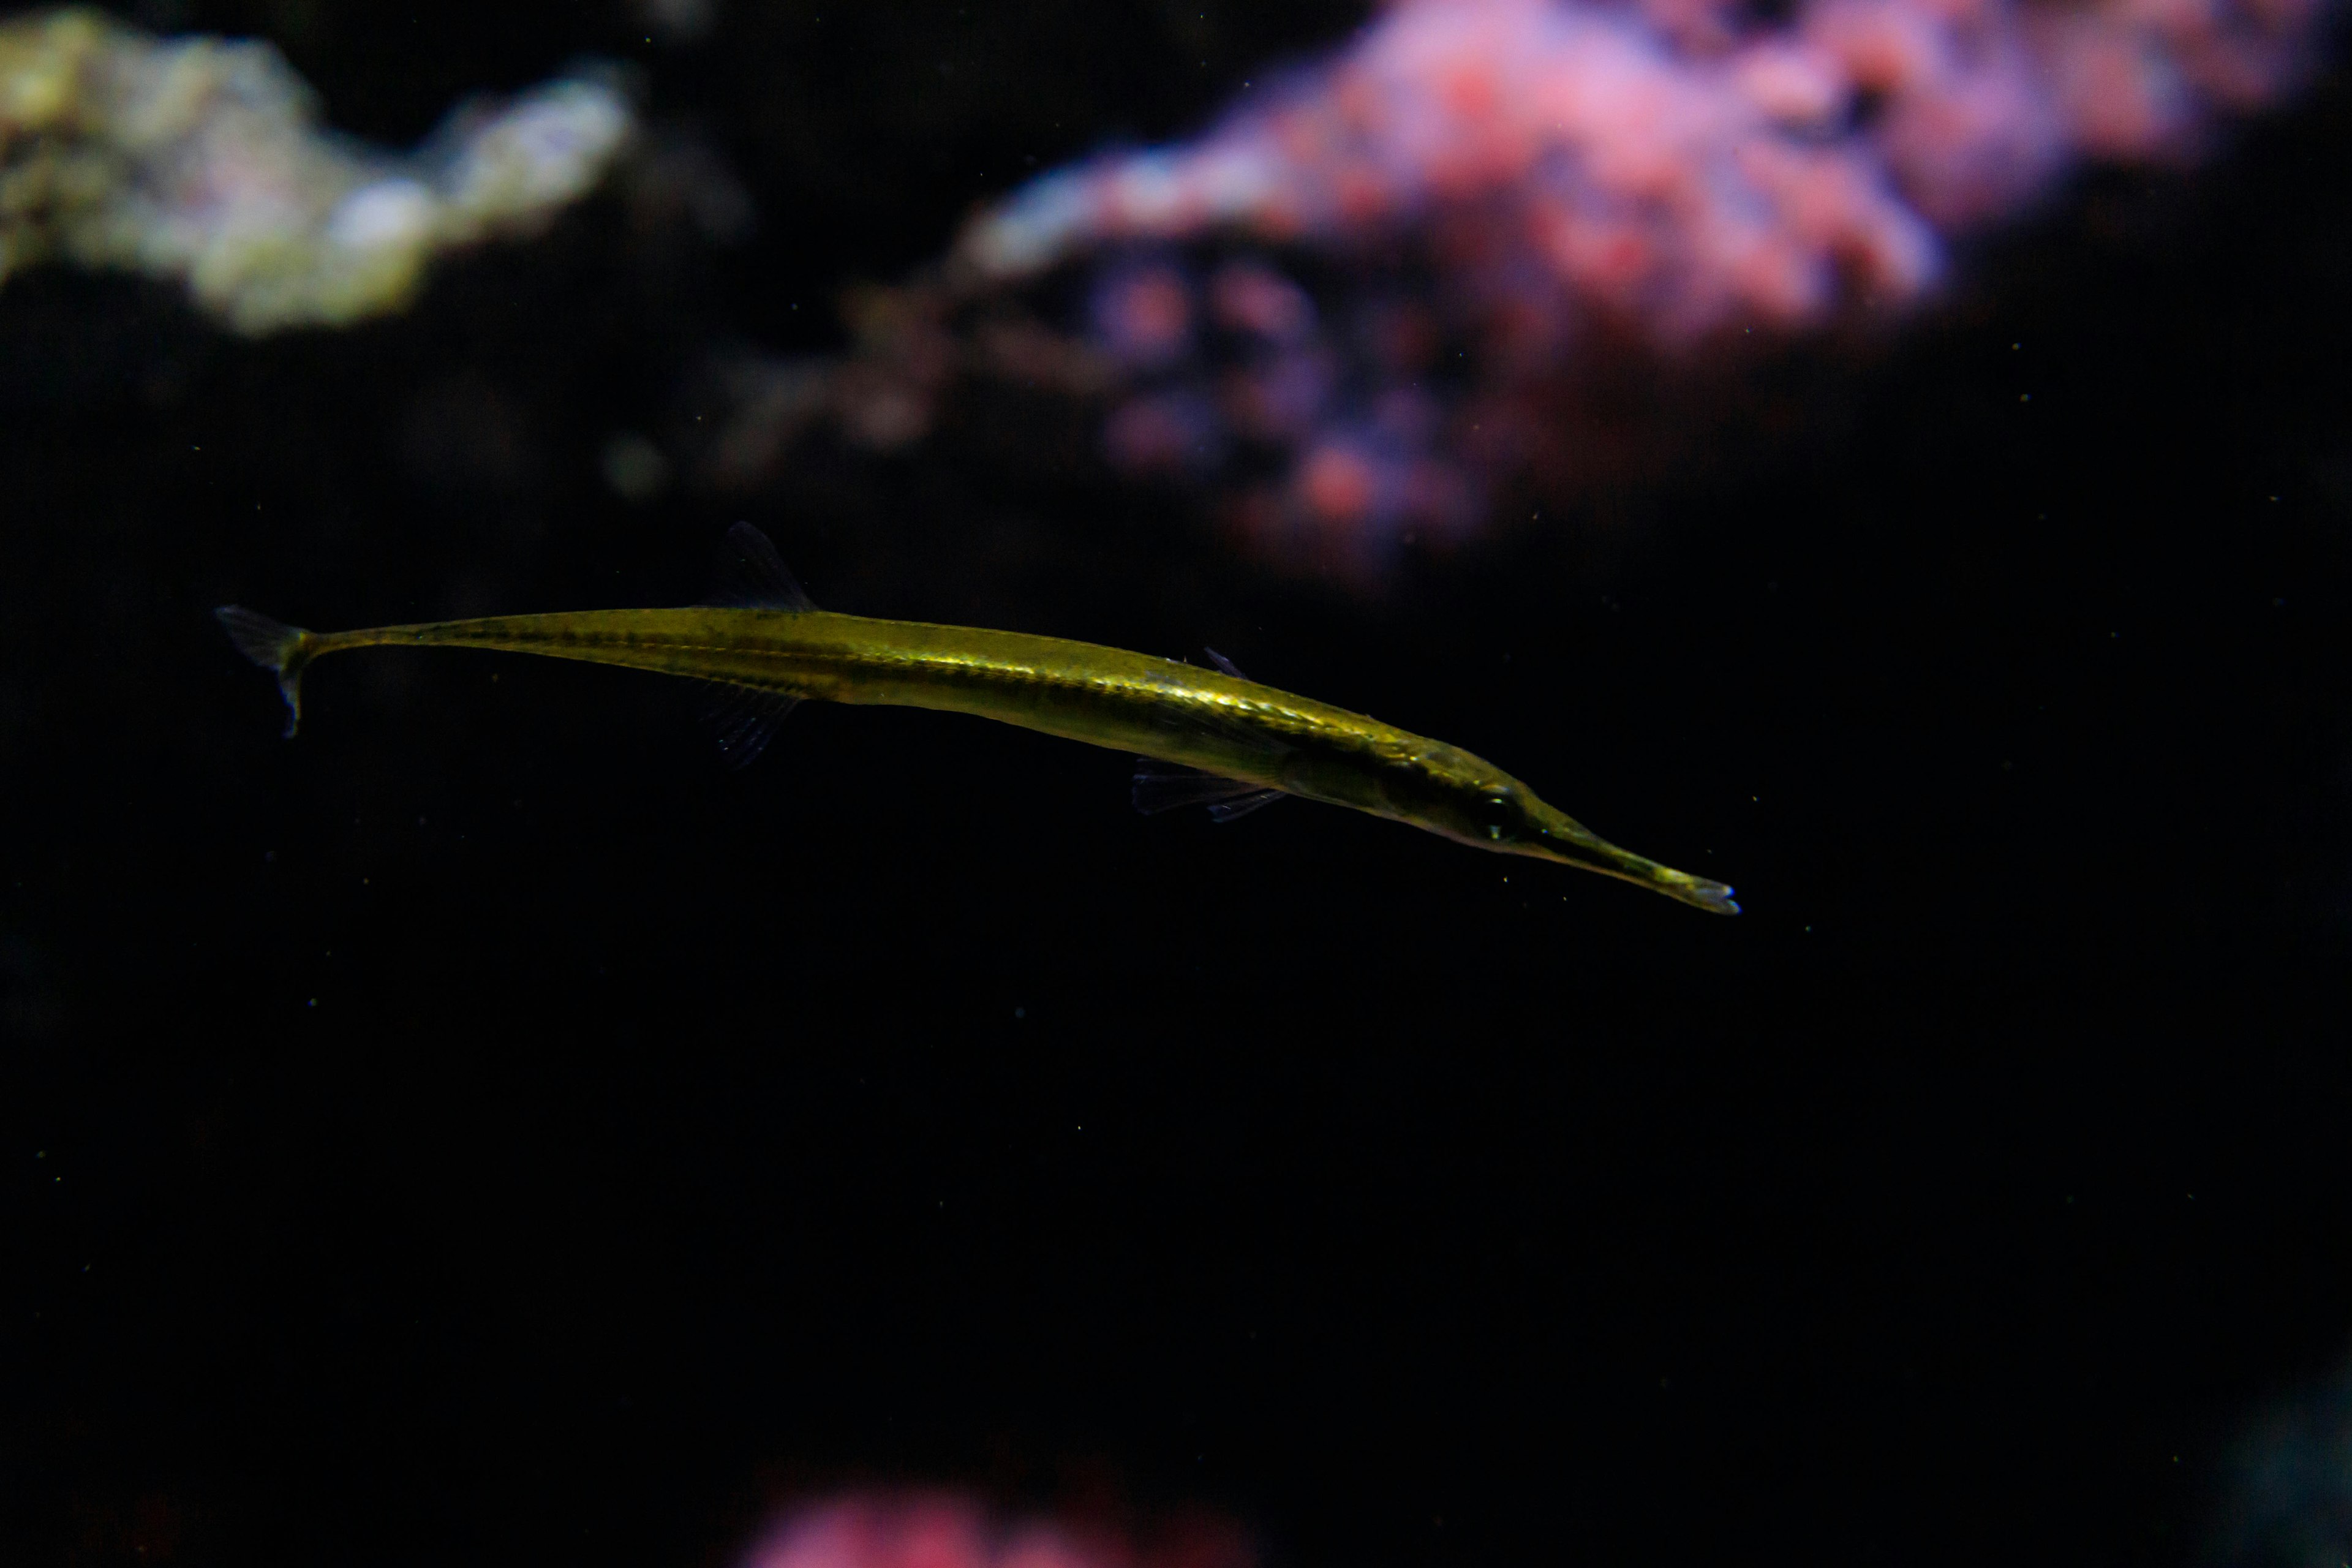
x=752, y=576
x=1242, y=805
x=1224, y=664
x=745, y=718
x=1171, y=786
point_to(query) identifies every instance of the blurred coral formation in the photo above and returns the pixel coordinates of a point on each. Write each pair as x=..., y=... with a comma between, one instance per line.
x=1379, y=290
x=877, y=1529
x=201, y=160
x=1342, y=303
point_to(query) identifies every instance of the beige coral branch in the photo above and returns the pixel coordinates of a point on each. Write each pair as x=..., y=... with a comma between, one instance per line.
x=203, y=160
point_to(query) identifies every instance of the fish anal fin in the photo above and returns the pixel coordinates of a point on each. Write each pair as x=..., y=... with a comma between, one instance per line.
x=752, y=576
x=744, y=720
x=1171, y=786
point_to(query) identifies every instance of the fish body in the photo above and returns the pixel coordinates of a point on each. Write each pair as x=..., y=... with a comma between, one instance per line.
x=1225, y=740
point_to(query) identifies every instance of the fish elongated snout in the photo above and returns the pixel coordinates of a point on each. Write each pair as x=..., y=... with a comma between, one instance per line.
x=1573, y=843
x=1700, y=893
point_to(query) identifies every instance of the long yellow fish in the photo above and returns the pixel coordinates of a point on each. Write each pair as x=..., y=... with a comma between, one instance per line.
x=1201, y=737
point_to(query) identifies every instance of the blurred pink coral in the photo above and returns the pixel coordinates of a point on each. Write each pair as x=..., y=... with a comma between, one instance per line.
x=932, y=1529
x=1144, y=315
x=1447, y=216
x=1682, y=158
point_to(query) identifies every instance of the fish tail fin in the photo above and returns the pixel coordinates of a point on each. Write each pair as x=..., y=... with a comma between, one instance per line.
x=282, y=649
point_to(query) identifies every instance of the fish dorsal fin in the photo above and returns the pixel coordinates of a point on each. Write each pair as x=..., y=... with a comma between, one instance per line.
x=1222, y=662
x=1171, y=786
x=752, y=576
x=744, y=719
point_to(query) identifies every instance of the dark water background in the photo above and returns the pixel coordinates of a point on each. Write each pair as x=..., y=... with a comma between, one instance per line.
x=488, y=1131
